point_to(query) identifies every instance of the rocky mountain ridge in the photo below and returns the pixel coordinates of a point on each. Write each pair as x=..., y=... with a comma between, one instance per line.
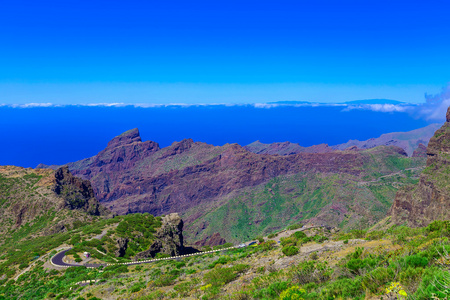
x=197, y=180
x=409, y=141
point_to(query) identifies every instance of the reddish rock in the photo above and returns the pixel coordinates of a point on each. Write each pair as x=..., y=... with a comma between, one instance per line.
x=421, y=151
x=131, y=176
x=214, y=240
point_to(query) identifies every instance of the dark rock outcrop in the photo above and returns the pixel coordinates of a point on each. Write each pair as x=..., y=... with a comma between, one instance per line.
x=76, y=192
x=429, y=200
x=169, y=238
x=421, y=151
x=122, y=244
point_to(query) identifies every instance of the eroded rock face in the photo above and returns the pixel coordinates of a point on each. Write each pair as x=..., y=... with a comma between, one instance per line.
x=421, y=151
x=169, y=238
x=122, y=244
x=429, y=200
x=76, y=192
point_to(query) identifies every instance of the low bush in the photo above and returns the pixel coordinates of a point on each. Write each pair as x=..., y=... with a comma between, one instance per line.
x=290, y=250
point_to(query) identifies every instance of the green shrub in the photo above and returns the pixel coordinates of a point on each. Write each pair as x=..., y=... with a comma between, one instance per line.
x=290, y=250
x=220, y=276
x=416, y=261
x=289, y=241
x=439, y=226
x=165, y=280
x=435, y=283
x=272, y=291
x=374, y=235
x=295, y=226
x=345, y=288
x=267, y=245
x=298, y=235
x=358, y=234
x=222, y=260
x=411, y=277
x=377, y=278
x=320, y=238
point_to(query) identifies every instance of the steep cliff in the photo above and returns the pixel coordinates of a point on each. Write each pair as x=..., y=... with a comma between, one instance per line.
x=429, y=200
x=77, y=193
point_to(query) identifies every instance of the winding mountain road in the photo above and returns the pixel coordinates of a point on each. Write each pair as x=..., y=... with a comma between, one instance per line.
x=57, y=259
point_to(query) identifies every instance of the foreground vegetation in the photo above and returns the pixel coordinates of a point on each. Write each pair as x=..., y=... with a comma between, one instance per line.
x=399, y=261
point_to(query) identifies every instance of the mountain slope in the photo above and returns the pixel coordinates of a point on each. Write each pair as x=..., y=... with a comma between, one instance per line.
x=409, y=141
x=204, y=183
x=41, y=202
x=429, y=200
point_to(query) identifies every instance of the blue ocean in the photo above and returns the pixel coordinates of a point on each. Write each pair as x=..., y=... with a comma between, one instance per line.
x=57, y=135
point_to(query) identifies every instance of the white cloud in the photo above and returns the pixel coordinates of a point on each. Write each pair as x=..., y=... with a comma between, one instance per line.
x=382, y=107
x=434, y=108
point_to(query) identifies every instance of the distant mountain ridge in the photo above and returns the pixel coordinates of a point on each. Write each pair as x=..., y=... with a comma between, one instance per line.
x=409, y=141
x=366, y=101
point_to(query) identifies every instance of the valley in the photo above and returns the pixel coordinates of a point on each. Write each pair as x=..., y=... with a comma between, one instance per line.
x=194, y=220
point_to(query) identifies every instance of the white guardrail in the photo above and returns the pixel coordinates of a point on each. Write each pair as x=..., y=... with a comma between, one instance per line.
x=171, y=257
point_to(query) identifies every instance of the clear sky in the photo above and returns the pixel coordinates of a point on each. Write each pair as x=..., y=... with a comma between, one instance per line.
x=71, y=52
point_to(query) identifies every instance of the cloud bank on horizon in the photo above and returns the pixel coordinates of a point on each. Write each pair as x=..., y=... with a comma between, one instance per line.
x=432, y=110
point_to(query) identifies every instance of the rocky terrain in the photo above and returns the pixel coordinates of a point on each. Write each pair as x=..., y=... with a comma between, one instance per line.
x=286, y=148
x=429, y=200
x=408, y=141
x=169, y=238
x=53, y=200
x=247, y=193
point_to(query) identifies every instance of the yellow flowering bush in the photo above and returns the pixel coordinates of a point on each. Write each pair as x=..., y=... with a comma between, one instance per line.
x=293, y=293
x=395, y=289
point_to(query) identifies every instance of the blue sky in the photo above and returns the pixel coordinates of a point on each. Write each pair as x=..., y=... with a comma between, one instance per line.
x=70, y=52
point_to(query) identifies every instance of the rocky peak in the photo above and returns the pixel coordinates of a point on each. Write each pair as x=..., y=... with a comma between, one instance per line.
x=126, y=138
x=180, y=147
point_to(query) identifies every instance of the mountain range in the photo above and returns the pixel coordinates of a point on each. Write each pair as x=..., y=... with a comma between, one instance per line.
x=230, y=193
x=409, y=141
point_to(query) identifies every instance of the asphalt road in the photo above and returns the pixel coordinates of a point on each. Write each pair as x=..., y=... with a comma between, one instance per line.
x=57, y=260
